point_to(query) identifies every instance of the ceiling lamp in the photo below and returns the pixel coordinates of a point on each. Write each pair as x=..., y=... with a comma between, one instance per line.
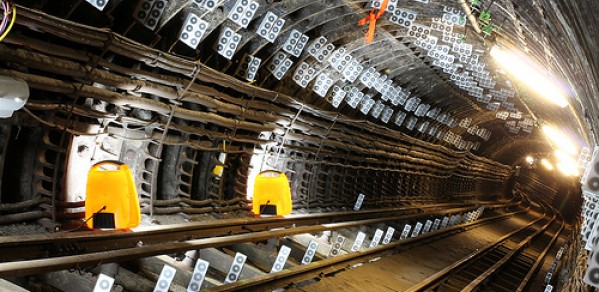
x=526, y=71
x=529, y=160
x=566, y=163
x=560, y=141
x=568, y=167
x=547, y=164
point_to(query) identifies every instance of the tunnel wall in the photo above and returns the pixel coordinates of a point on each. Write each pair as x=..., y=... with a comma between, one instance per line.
x=96, y=95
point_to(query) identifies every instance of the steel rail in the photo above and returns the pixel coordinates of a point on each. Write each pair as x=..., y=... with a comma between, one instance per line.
x=15, y=248
x=476, y=283
x=540, y=259
x=269, y=282
x=45, y=245
x=441, y=276
x=38, y=266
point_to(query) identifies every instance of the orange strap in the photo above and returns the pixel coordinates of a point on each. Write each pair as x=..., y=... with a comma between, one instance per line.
x=372, y=17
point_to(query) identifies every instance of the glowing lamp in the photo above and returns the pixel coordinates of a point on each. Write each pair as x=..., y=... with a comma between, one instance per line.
x=530, y=159
x=547, y=164
x=561, y=141
x=524, y=70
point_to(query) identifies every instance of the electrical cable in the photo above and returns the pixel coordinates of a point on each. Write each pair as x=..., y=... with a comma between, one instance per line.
x=14, y=17
x=53, y=125
x=5, y=18
x=81, y=224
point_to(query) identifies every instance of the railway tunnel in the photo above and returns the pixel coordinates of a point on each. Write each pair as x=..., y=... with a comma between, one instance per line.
x=429, y=145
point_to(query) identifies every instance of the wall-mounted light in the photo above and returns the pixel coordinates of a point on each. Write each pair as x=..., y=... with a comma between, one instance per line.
x=568, y=167
x=566, y=163
x=529, y=159
x=547, y=164
x=560, y=141
x=13, y=95
x=525, y=70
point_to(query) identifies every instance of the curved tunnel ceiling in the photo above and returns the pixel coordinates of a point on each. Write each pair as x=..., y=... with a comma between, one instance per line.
x=536, y=27
x=427, y=73
x=396, y=53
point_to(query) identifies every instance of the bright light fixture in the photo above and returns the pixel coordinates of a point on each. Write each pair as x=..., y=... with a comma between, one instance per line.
x=560, y=141
x=547, y=164
x=530, y=160
x=523, y=69
x=566, y=164
x=561, y=155
x=568, y=167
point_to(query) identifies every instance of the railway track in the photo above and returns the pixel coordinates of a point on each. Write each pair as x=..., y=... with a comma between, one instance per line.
x=224, y=234
x=116, y=246
x=331, y=265
x=61, y=244
x=505, y=265
x=517, y=274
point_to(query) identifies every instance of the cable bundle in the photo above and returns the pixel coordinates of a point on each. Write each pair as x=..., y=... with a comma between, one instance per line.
x=9, y=12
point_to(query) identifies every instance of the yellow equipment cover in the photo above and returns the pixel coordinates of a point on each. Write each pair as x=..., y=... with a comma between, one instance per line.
x=112, y=194
x=272, y=195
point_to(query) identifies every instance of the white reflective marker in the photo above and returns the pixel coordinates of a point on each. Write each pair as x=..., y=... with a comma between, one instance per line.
x=417, y=229
x=166, y=278
x=359, y=202
x=279, y=263
x=427, y=226
x=104, y=283
x=310, y=252
x=358, y=242
x=406, y=232
x=198, y=276
x=377, y=238
x=236, y=267
x=337, y=246
x=388, y=235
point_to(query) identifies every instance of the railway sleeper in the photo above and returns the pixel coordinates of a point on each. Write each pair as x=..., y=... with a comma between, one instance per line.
x=476, y=269
x=470, y=274
x=493, y=256
x=496, y=288
x=454, y=284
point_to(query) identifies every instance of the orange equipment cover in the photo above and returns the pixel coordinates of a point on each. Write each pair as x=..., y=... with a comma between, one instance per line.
x=112, y=191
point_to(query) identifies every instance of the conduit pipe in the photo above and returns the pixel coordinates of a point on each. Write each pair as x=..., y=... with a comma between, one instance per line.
x=471, y=17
